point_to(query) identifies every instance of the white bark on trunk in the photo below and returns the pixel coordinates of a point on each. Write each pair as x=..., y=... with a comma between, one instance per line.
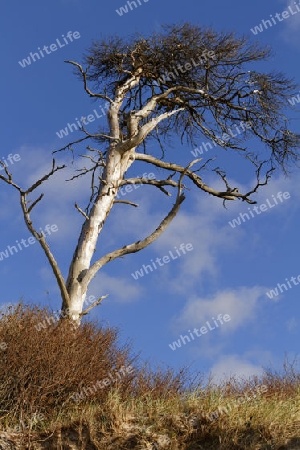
x=76, y=285
x=120, y=156
x=119, y=159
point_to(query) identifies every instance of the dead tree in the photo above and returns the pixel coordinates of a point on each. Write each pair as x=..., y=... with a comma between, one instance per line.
x=184, y=81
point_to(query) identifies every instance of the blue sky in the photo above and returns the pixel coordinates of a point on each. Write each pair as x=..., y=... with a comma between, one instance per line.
x=229, y=269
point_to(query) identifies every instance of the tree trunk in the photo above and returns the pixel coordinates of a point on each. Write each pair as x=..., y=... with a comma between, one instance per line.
x=116, y=165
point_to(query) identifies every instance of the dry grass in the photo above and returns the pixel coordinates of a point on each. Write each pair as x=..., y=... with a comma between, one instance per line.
x=145, y=409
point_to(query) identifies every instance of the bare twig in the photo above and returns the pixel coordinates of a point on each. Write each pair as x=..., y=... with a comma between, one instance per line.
x=82, y=212
x=126, y=202
x=84, y=73
x=35, y=202
x=96, y=303
x=45, y=177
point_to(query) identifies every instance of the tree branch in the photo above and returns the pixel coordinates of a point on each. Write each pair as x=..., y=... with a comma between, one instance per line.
x=41, y=239
x=45, y=177
x=157, y=183
x=35, y=202
x=126, y=202
x=136, y=246
x=82, y=212
x=148, y=181
x=96, y=303
x=83, y=73
x=144, y=131
x=8, y=180
x=193, y=177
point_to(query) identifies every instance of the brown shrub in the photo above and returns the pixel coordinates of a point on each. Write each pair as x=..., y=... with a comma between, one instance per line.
x=42, y=368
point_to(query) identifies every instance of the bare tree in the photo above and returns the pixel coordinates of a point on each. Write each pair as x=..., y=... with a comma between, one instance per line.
x=184, y=81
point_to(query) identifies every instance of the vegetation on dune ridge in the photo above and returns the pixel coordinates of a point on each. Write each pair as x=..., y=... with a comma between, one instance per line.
x=61, y=385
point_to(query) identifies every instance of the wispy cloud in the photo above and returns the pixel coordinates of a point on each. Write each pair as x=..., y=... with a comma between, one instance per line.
x=241, y=304
x=120, y=289
x=203, y=228
x=292, y=25
x=234, y=365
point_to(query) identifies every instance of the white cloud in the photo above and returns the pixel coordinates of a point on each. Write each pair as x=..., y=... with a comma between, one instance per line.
x=119, y=289
x=234, y=365
x=200, y=227
x=291, y=24
x=241, y=304
x=281, y=183
x=276, y=184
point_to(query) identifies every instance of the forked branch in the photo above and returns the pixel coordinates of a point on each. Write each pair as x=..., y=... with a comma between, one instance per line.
x=136, y=246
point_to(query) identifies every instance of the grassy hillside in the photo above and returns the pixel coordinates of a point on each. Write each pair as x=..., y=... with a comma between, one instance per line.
x=80, y=389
